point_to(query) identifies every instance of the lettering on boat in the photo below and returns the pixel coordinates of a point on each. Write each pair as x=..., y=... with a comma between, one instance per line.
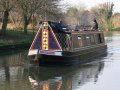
x=51, y=53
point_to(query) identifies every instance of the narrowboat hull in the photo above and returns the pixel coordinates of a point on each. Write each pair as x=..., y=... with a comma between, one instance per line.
x=82, y=56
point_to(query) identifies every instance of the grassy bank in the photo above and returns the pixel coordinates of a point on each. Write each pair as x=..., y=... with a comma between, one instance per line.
x=116, y=29
x=16, y=39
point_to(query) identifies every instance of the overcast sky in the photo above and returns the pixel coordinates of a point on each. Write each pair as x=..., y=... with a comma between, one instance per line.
x=90, y=3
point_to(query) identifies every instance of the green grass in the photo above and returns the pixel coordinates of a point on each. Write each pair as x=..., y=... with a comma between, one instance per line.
x=116, y=29
x=16, y=36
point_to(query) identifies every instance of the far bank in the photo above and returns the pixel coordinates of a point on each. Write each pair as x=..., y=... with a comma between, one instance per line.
x=15, y=40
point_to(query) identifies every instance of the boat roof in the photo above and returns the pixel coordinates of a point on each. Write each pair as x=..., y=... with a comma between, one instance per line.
x=60, y=27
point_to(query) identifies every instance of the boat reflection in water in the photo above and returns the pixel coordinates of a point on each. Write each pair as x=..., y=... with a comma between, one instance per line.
x=17, y=74
x=64, y=78
x=50, y=84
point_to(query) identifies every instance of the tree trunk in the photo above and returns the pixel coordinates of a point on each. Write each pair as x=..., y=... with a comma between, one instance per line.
x=25, y=24
x=5, y=21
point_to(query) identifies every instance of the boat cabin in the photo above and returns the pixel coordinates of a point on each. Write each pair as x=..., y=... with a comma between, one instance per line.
x=55, y=40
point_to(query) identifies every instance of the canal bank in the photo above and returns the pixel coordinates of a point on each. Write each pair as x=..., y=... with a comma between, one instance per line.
x=15, y=46
x=15, y=40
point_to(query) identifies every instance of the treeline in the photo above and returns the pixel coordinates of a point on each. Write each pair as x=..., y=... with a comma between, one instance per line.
x=103, y=13
x=22, y=12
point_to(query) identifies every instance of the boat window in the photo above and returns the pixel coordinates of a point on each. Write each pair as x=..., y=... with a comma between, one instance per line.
x=80, y=40
x=68, y=39
x=75, y=41
x=88, y=39
x=79, y=37
x=92, y=39
x=96, y=38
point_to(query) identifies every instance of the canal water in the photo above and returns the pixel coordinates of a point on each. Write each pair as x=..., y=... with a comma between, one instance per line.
x=16, y=73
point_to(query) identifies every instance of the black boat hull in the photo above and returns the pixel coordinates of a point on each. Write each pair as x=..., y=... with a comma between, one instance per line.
x=72, y=58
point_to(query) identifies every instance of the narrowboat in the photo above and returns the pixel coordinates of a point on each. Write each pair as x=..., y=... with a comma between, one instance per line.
x=53, y=40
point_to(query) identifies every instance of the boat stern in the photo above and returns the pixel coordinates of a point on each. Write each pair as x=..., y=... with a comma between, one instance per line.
x=45, y=42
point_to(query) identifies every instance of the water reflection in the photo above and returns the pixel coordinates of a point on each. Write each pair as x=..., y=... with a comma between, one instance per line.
x=67, y=78
x=15, y=71
x=50, y=84
x=12, y=74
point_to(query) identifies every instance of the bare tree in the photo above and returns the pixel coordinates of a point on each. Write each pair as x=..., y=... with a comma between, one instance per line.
x=71, y=16
x=50, y=10
x=103, y=12
x=29, y=7
x=15, y=19
x=6, y=6
x=75, y=16
x=85, y=18
x=116, y=21
x=26, y=9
